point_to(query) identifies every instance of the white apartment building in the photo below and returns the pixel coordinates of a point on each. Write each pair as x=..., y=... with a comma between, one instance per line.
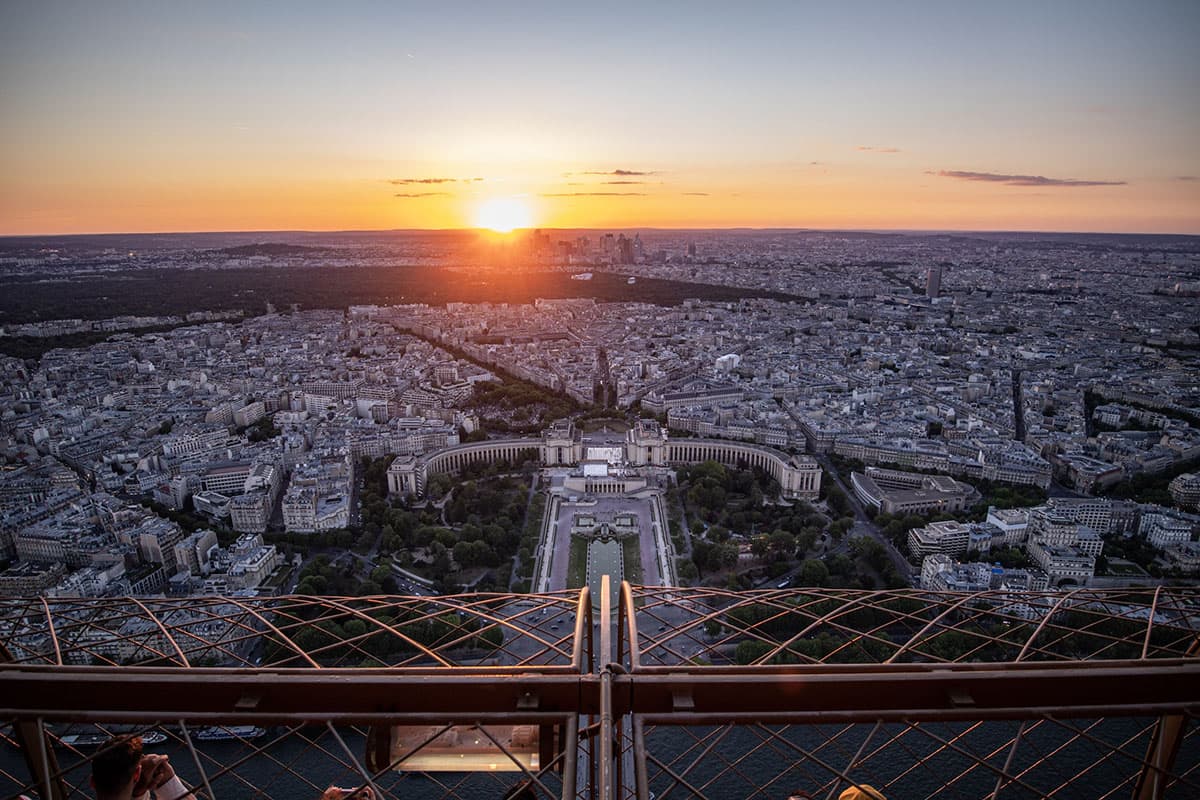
x=950, y=538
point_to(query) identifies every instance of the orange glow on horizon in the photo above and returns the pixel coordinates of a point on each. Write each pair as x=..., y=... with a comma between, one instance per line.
x=198, y=119
x=837, y=196
x=503, y=214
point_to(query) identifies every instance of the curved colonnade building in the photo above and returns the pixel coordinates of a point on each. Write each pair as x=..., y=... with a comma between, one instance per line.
x=645, y=444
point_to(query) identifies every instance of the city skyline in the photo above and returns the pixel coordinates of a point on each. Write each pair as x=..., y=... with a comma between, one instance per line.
x=548, y=400
x=145, y=119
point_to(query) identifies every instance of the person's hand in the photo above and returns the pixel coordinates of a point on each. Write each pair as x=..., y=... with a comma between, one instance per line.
x=146, y=771
x=163, y=772
x=356, y=793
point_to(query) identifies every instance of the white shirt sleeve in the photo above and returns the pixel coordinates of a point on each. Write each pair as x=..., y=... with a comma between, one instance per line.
x=172, y=790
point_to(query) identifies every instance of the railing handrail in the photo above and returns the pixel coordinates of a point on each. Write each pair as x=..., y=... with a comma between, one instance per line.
x=588, y=693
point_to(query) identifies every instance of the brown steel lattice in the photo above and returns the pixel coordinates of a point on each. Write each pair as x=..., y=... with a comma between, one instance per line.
x=675, y=693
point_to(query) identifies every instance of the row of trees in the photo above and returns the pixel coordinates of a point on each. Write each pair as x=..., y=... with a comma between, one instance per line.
x=869, y=551
x=962, y=637
x=1146, y=488
x=261, y=431
x=322, y=577
x=511, y=405
x=344, y=640
x=896, y=528
x=530, y=535
x=519, y=400
x=291, y=541
x=34, y=347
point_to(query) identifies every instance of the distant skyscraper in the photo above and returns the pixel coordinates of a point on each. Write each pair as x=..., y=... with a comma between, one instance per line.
x=608, y=244
x=933, y=281
x=624, y=250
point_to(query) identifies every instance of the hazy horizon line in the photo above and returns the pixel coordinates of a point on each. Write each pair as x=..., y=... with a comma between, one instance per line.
x=460, y=229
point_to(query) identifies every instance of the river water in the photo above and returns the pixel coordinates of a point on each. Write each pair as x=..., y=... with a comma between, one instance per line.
x=743, y=762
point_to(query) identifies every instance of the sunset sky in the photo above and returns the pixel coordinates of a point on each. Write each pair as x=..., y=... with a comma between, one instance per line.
x=172, y=116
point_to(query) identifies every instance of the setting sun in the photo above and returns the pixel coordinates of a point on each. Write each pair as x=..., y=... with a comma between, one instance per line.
x=503, y=214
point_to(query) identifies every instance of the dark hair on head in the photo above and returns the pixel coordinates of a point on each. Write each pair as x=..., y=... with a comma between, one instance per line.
x=114, y=765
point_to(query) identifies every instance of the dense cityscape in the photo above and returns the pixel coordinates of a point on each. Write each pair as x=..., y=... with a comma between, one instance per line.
x=986, y=411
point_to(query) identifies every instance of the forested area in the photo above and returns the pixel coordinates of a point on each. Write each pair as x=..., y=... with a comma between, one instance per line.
x=727, y=506
x=466, y=536
x=350, y=641
x=30, y=298
x=731, y=511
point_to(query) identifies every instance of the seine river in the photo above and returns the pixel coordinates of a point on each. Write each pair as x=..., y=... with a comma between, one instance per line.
x=732, y=768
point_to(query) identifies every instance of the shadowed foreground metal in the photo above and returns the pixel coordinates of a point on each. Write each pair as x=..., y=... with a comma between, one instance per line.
x=674, y=693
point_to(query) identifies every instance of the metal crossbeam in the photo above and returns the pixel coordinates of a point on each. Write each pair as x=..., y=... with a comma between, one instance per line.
x=695, y=695
x=911, y=691
x=133, y=695
x=662, y=661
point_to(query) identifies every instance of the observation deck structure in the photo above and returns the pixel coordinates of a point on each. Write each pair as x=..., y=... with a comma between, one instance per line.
x=671, y=693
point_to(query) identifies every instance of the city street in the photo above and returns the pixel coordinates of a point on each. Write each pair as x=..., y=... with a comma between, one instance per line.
x=863, y=526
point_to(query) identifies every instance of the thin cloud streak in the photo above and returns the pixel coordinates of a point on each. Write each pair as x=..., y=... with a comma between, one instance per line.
x=422, y=194
x=620, y=183
x=1019, y=180
x=407, y=181
x=593, y=194
x=694, y=194
x=619, y=173
x=871, y=149
x=1187, y=178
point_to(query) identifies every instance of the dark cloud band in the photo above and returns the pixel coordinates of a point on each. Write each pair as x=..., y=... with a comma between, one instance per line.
x=1020, y=180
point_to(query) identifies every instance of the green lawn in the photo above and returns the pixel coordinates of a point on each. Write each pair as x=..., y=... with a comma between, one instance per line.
x=577, y=563
x=633, y=559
